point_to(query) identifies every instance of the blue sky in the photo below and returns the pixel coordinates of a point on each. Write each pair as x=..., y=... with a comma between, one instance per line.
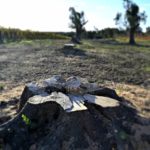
x=53, y=15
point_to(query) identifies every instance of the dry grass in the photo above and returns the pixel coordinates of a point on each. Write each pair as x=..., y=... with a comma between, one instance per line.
x=11, y=93
x=137, y=95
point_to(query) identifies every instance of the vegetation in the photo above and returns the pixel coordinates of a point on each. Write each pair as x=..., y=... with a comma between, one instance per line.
x=104, y=33
x=11, y=35
x=132, y=18
x=25, y=119
x=77, y=22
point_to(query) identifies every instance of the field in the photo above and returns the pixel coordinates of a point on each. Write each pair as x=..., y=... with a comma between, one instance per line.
x=111, y=63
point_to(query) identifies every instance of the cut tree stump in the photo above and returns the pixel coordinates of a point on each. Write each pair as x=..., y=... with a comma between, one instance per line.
x=73, y=114
x=69, y=46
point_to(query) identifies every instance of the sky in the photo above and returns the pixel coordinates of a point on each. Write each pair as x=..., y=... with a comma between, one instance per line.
x=53, y=15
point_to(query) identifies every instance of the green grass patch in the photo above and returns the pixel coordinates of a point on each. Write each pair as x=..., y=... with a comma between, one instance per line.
x=36, y=43
x=114, y=45
x=26, y=42
x=123, y=39
x=147, y=69
x=85, y=45
x=29, y=43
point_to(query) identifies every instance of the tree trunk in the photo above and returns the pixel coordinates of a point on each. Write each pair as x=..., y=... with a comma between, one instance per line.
x=131, y=37
x=77, y=38
x=17, y=133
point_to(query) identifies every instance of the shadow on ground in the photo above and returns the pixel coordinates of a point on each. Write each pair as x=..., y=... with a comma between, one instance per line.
x=72, y=52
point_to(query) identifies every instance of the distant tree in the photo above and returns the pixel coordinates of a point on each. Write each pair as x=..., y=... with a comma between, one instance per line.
x=148, y=30
x=77, y=22
x=132, y=19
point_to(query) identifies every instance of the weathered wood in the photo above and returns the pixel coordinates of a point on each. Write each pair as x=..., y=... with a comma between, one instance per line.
x=69, y=46
x=101, y=101
x=29, y=91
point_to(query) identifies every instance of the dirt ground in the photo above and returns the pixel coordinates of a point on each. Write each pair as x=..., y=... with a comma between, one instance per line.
x=108, y=63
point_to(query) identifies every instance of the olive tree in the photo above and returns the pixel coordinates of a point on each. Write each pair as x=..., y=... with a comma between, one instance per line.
x=132, y=18
x=77, y=22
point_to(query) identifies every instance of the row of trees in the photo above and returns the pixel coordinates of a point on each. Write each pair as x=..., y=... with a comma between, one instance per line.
x=104, y=33
x=10, y=35
x=132, y=19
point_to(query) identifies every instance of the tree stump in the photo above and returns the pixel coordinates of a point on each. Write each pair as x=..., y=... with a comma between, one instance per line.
x=69, y=46
x=70, y=114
